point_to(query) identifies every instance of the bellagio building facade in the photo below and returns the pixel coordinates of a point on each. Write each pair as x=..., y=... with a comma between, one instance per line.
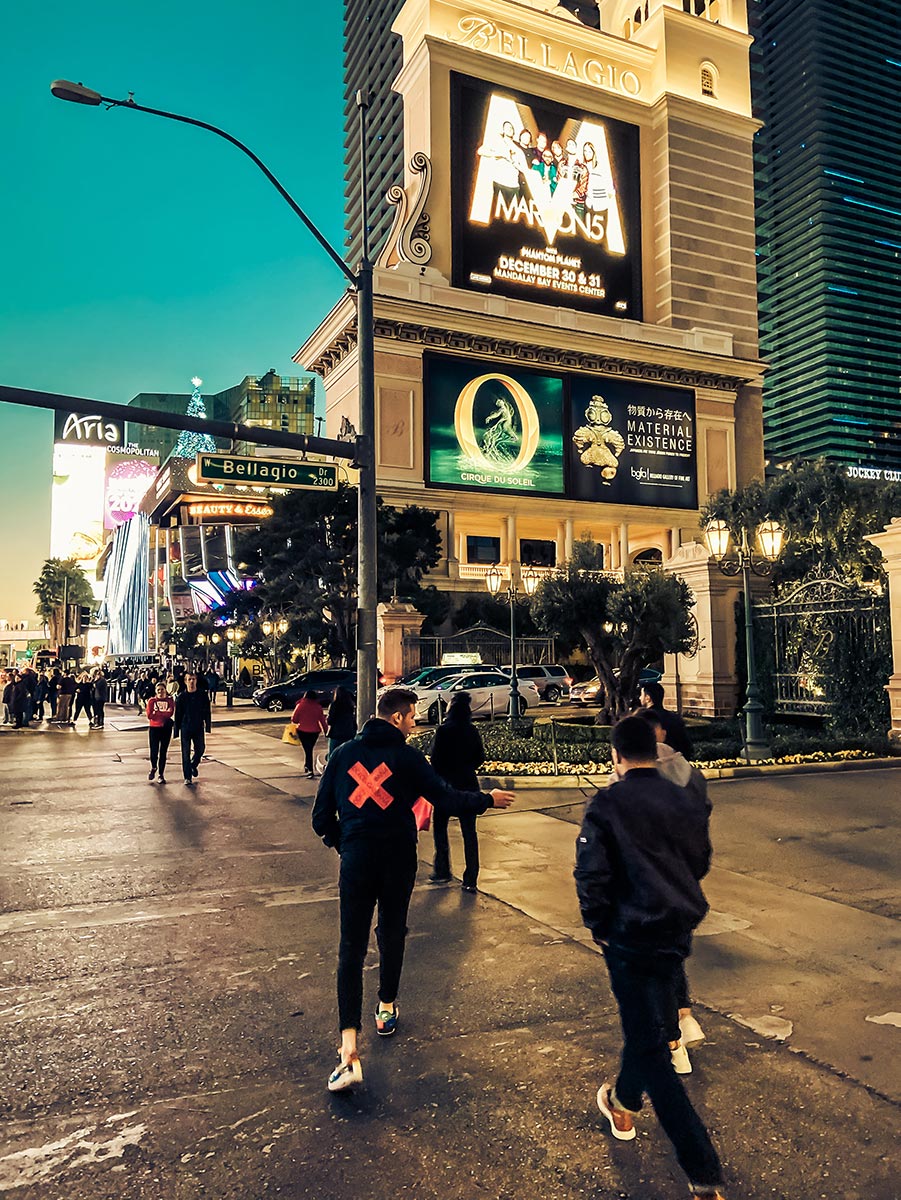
x=566, y=307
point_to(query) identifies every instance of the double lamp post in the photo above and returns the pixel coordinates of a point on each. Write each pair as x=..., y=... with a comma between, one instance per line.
x=361, y=280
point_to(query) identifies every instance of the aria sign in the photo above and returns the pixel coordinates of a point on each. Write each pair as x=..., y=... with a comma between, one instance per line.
x=87, y=430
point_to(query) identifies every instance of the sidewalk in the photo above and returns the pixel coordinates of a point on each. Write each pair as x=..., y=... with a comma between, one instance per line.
x=167, y=1002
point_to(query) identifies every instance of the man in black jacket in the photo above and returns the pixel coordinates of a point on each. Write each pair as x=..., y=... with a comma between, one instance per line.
x=643, y=848
x=364, y=809
x=651, y=696
x=192, y=718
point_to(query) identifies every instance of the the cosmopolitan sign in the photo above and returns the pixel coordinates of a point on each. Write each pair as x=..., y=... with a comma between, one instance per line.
x=480, y=33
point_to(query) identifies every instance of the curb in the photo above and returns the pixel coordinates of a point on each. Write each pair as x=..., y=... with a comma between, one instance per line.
x=576, y=782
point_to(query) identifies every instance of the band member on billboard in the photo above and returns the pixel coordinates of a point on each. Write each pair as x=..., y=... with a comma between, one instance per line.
x=509, y=162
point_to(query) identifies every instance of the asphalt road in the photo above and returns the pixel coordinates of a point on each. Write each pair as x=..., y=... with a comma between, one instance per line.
x=167, y=996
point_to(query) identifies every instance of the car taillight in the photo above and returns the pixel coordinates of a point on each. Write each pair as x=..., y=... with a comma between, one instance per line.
x=567, y=681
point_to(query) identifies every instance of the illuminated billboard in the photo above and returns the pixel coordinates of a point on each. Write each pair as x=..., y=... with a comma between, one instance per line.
x=632, y=443
x=128, y=478
x=545, y=201
x=498, y=430
x=500, y=427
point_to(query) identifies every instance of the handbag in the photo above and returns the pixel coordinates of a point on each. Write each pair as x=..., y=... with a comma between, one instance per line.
x=422, y=812
x=290, y=734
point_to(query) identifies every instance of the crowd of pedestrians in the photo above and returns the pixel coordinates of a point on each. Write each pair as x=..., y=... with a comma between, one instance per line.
x=61, y=696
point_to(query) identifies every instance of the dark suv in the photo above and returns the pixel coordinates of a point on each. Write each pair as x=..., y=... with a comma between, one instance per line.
x=277, y=697
x=553, y=682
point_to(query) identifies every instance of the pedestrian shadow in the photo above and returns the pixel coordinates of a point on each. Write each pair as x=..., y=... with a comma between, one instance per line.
x=188, y=825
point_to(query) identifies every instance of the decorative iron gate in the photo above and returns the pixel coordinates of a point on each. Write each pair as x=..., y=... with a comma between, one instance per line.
x=825, y=646
x=492, y=647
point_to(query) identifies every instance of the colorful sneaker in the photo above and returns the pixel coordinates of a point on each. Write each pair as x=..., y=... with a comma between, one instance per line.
x=346, y=1074
x=621, y=1124
x=681, y=1061
x=692, y=1033
x=386, y=1021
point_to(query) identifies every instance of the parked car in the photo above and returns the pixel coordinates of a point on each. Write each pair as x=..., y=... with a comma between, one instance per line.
x=553, y=682
x=429, y=675
x=276, y=697
x=588, y=692
x=488, y=687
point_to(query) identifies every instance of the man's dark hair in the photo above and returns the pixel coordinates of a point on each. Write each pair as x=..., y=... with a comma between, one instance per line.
x=650, y=716
x=395, y=700
x=634, y=740
x=654, y=690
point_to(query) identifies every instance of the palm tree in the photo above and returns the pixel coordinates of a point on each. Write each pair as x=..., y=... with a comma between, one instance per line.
x=61, y=581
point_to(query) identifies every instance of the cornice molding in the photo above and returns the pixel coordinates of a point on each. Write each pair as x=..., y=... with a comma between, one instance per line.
x=505, y=350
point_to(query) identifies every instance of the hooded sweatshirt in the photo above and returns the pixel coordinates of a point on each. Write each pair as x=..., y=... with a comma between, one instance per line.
x=370, y=785
x=678, y=770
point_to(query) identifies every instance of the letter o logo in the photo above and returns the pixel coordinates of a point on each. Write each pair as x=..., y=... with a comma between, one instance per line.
x=465, y=430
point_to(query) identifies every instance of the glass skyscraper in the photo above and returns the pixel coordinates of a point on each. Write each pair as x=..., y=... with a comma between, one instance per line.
x=372, y=58
x=827, y=84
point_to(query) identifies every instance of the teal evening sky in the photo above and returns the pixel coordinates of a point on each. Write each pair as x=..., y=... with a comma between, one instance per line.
x=136, y=252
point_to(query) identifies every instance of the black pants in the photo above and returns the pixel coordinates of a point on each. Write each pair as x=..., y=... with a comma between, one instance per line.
x=193, y=744
x=646, y=989
x=98, y=713
x=160, y=737
x=470, y=846
x=82, y=704
x=308, y=741
x=372, y=876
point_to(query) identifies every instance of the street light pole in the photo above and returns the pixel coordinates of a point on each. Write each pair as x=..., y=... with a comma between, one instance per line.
x=362, y=281
x=743, y=562
x=511, y=596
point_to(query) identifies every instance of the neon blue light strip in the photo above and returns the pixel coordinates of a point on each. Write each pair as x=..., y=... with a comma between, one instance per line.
x=883, y=242
x=833, y=287
x=878, y=207
x=850, y=178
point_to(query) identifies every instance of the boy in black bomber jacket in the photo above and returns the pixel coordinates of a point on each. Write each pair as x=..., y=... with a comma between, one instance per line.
x=643, y=848
x=364, y=809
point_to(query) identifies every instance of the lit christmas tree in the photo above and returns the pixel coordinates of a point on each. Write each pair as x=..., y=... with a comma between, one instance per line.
x=189, y=445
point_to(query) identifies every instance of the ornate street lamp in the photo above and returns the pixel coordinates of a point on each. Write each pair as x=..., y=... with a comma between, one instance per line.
x=758, y=551
x=512, y=596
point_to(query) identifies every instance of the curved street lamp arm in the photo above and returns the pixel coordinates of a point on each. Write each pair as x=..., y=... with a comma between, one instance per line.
x=158, y=112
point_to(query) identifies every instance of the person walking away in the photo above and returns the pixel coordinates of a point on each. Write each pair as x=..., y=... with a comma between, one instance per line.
x=65, y=698
x=212, y=683
x=40, y=695
x=457, y=753
x=144, y=690
x=99, y=694
x=642, y=850
x=54, y=679
x=364, y=809
x=192, y=719
x=8, y=681
x=84, y=698
x=651, y=696
x=19, y=702
x=309, y=717
x=31, y=682
x=675, y=767
x=341, y=718
x=160, y=718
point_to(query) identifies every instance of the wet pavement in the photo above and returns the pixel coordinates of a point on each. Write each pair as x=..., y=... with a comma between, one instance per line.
x=167, y=995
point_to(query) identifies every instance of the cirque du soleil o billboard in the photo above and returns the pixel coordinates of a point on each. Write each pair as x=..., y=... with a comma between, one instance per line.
x=504, y=428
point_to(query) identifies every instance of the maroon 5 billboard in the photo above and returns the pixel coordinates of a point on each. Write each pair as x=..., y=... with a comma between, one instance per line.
x=545, y=201
x=504, y=428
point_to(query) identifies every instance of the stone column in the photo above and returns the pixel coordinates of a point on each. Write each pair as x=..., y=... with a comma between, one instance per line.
x=568, y=539
x=512, y=546
x=623, y=546
x=705, y=685
x=450, y=547
x=560, y=542
x=889, y=545
x=394, y=622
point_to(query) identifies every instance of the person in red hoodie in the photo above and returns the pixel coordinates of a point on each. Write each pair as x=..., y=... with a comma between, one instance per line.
x=309, y=717
x=160, y=712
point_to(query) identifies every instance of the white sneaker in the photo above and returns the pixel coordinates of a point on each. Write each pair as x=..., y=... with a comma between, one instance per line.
x=345, y=1075
x=692, y=1033
x=681, y=1061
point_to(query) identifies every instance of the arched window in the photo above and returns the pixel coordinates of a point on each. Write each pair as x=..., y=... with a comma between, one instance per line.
x=708, y=79
x=648, y=558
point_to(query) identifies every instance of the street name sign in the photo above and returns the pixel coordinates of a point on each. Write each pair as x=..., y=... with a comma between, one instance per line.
x=267, y=472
